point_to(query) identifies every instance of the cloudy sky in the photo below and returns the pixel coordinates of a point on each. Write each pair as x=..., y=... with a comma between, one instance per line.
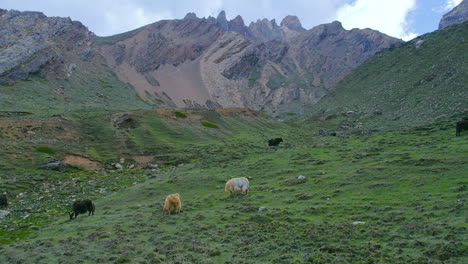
x=404, y=19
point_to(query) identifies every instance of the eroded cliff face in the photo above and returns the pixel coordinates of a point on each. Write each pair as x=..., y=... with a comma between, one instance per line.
x=30, y=43
x=457, y=15
x=191, y=62
x=197, y=63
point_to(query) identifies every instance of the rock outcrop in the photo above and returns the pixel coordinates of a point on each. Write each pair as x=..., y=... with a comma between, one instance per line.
x=188, y=63
x=196, y=63
x=458, y=15
x=293, y=23
x=261, y=30
x=31, y=43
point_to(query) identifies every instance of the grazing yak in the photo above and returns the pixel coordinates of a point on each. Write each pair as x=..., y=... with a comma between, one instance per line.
x=274, y=142
x=3, y=200
x=172, y=203
x=461, y=125
x=81, y=207
x=237, y=185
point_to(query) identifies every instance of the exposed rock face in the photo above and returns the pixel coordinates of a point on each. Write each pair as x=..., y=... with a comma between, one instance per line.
x=265, y=30
x=329, y=52
x=31, y=42
x=194, y=62
x=222, y=21
x=237, y=25
x=458, y=15
x=191, y=16
x=161, y=62
x=261, y=30
x=293, y=23
x=292, y=27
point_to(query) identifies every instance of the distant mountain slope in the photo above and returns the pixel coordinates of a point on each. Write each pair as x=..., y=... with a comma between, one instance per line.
x=195, y=63
x=31, y=42
x=55, y=64
x=416, y=83
x=456, y=16
x=49, y=65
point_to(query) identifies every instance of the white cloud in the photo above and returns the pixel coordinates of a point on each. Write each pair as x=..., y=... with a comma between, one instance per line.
x=389, y=17
x=450, y=4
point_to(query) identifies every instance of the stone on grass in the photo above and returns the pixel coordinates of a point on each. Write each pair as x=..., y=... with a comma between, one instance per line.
x=359, y=223
x=4, y=213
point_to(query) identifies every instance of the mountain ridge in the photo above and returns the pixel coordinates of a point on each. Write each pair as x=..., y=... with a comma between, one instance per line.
x=189, y=63
x=233, y=70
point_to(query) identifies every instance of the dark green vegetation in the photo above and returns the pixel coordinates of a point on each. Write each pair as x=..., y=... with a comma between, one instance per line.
x=45, y=149
x=406, y=186
x=417, y=83
x=180, y=114
x=209, y=124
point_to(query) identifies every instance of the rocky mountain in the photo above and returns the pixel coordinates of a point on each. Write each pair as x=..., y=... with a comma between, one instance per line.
x=51, y=65
x=261, y=30
x=458, y=15
x=189, y=63
x=30, y=41
x=420, y=82
x=217, y=63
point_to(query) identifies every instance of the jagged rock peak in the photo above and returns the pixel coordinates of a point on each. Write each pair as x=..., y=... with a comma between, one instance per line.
x=237, y=25
x=264, y=22
x=238, y=20
x=333, y=26
x=293, y=23
x=222, y=21
x=190, y=15
x=28, y=14
x=221, y=16
x=458, y=15
x=273, y=23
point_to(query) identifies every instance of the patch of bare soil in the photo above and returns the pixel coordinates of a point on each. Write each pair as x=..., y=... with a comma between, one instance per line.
x=83, y=162
x=38, y=130
x=142, y=161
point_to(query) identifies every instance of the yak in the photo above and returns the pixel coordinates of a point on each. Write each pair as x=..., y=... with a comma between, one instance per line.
x=274, y=142
x=172, y=203
x=81, y=207
x=3, y=200
x=237, y=185
x=461, y=125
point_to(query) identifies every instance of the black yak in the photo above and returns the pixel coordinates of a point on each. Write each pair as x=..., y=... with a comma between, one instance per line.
x=81, y=207
x=274, y=141
x=3, y=200
x=461, y=125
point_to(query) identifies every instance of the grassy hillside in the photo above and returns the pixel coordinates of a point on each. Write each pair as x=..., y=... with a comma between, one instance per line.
x=420, y=82
x=393, y=197
x=139, y=137
x=87, y=86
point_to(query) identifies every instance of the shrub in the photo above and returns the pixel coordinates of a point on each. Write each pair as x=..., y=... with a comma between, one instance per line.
x=180, y=114
x=209, y=124
x=45, y=149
